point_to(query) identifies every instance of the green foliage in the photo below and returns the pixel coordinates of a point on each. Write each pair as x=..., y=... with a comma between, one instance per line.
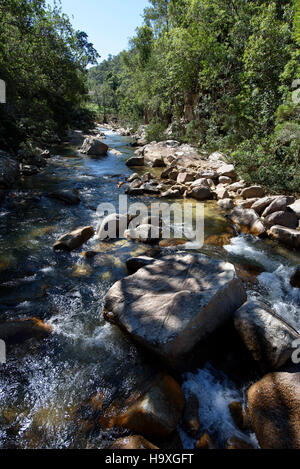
x=225, y=70
x=43, y=62
x=155, y=131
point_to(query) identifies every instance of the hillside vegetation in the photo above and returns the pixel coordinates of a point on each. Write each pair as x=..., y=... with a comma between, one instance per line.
x=220, y=74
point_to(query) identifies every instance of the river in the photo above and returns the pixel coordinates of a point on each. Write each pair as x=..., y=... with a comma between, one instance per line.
x=44, y=383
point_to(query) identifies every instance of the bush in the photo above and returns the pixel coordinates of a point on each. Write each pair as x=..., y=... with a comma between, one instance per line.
x=155, y=132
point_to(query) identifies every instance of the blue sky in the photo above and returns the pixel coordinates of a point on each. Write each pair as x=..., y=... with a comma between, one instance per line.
x=109, y=24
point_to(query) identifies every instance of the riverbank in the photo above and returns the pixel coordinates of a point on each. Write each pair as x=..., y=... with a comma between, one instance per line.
x=87, y=379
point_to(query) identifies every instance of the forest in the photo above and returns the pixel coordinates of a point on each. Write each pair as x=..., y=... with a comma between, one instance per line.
x=43, y=63
x=220, y=74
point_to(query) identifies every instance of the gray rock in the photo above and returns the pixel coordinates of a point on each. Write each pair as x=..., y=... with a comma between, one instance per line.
x=285, y=235
x=135, y=161
x=226, y=204
x=222, y=192
x=227, y=170
x=236, y=186
x=149, y=234
x=113, y=226
x=296, y=207
x=93, y=146
x=185, y=177
x=200, y=193
x=261, y=204
x=252, y=192
x=278, y=205
x=268, y=337
x=174, y=303
x=225, y=180
x=133, y=177
x=247, y=219
x=284, y=218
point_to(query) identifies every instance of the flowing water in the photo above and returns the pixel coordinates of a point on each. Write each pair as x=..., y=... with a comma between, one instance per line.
x=44, y=384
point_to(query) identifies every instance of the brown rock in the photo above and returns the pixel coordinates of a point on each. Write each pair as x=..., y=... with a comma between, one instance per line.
x=205, y=442
x=156, y=414
x=239, y=444
x=274, y=409
x=74, y=239
x=248, y=221
x=253, y=192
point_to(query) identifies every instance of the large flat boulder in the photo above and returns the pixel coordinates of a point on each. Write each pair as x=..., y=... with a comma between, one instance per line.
x=174, y=303
x=268, y=337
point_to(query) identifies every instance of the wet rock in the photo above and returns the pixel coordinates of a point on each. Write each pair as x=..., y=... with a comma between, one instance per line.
x=135, y=161
x=156, y=414
x=74, y=239
x=247, y=220
x=149, y=234
x=288, y=219
x=174, y=303
x=132, y=443
x=200, y=193
x=136, y=263
x=227, y=170
x=296, y=207
x=113, y=226
x=278, y=205
x=286, y=236
x=268, y=338
x=205, y=442
x=134, y=191
x=190, y=419
x=28, y=170
x=237, y=443
x=94, y=147
x=274, y=409
x=9, y=170
x=295, y=278
x=226, y=204
x=252, y=192
x=69, y=197
x=16, y=332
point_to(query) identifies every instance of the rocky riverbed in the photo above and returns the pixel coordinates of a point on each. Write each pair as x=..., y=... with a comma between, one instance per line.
x=142, y=343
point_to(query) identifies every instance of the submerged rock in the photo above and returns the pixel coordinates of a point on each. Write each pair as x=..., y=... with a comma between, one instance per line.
x=190, y=419
x=69, y=197
x=268, y=338
x=15, y=332
x=237, y=443
x=205, y=442
x=132, y=442
x=93, y=146
x=74, y=239
x=174, y=303
x=155, y=414
x=274, y=409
